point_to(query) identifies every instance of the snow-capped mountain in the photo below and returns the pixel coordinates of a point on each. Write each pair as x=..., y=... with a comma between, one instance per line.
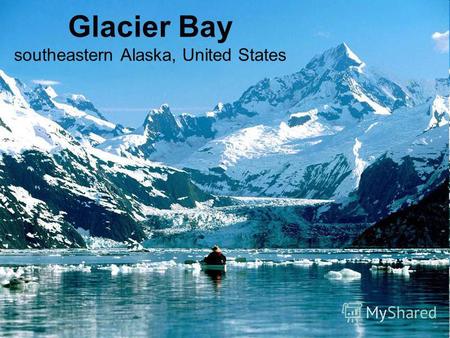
x=161, y=126
x=311, y=134
x=73, y=112
x=51, y=184
x=320, y=155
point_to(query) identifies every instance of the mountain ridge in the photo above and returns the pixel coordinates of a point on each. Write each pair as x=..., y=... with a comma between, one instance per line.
x=52, y=184
x=332, y=131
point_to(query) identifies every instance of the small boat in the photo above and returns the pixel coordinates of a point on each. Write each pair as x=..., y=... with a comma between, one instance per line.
x=212, y=267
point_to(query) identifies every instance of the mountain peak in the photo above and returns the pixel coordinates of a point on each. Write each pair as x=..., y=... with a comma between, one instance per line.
x=50, y=92
x=348, y=52
x=339, y=58
x=161, y=122
x=82, y=103
x=10, y=86
x=40, y=98
x=78, y=98
x=164, y=109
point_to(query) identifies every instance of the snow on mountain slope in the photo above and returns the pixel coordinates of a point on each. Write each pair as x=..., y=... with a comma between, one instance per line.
x=74, y=113
x=162, y=132
x=439, y=110
x=50, y=184
x=306, y=135
x=314, y=161
x=22, y=129
x=332, y=131
x=336, y=83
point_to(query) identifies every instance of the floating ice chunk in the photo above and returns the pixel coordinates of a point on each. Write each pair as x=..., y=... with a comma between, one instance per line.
x=63, y=268
x=320, y=262
x=53, y=268
x=420, y=253
x=333, y=275
x=13, y=281
x=347, y=274
x=82, y=268
x=9, y=277
x=399, y=271
x=427, y=262
x=120, y=269
x=303, y=262
x=253, y=264
x=196, y=266
x=114, y=269
x=405, y=270
x=144, y=267
x=257, y=263
x=283, y=263
x=387, y=261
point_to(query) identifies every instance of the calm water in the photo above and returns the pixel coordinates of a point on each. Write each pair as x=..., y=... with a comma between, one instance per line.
x=163, y=298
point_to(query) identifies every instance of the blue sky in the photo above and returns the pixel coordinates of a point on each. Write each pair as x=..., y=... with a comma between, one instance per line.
x=393, y=36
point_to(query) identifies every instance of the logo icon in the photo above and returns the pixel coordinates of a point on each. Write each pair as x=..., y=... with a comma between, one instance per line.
x=352, y=312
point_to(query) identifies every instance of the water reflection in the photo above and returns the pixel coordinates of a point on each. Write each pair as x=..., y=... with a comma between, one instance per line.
x=216, y=277
x=249, y=300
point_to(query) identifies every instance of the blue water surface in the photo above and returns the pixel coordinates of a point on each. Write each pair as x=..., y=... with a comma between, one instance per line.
x=162, y=297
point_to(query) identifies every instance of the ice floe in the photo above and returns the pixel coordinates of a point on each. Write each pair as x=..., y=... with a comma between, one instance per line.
x=244, y=264
x=399, y=271
x=303, y=262
x=142, y=267
x=57, y=268
x=321, y=262
x=347, y=274
x=426, y=262
x=10, y=277
x=405, y=270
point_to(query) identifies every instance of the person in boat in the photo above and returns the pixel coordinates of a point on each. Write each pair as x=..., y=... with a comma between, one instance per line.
x=216, y=257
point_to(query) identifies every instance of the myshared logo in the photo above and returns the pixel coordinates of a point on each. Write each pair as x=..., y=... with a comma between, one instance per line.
x=354, y=312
